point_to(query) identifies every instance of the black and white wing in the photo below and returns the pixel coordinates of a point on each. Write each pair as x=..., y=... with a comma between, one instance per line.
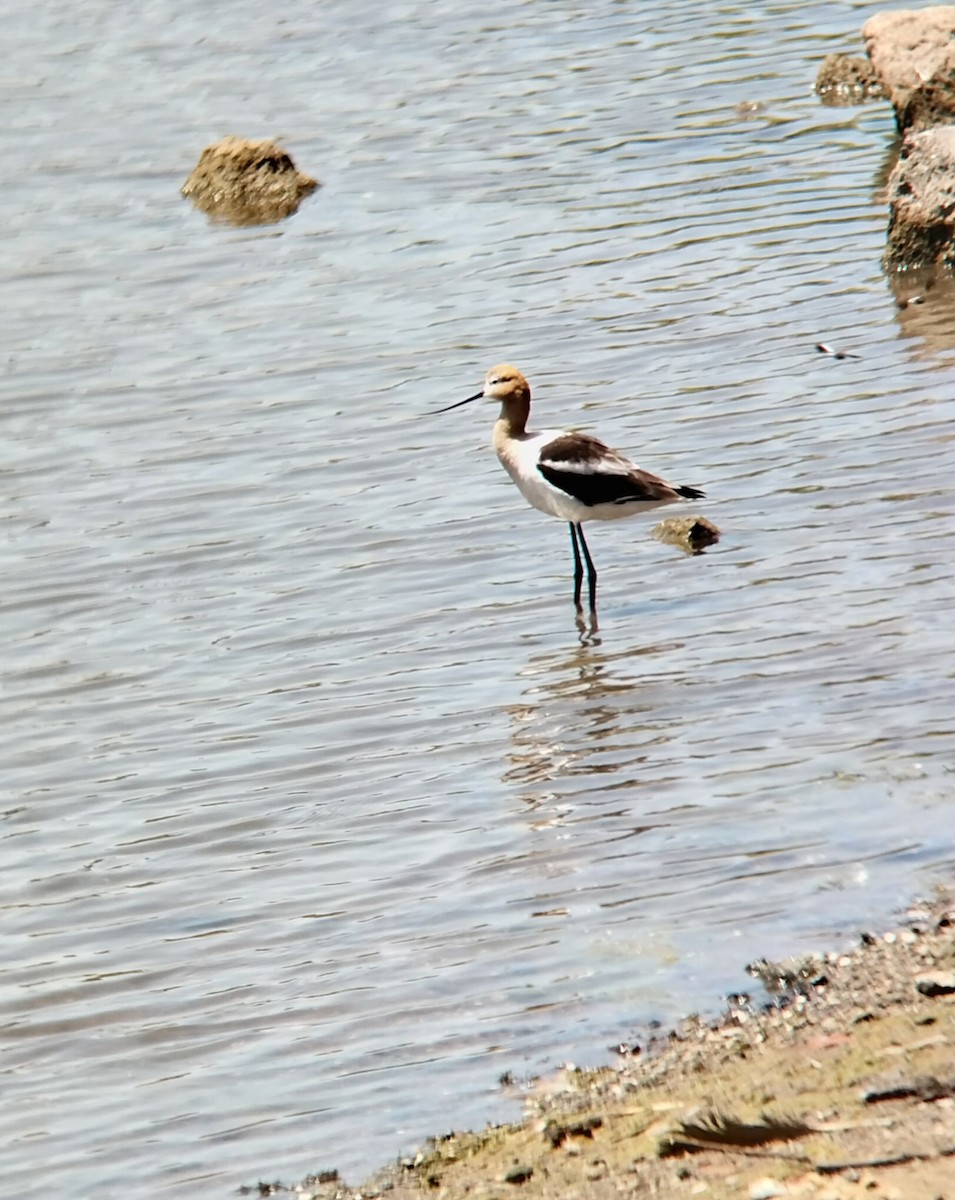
x=583, y=467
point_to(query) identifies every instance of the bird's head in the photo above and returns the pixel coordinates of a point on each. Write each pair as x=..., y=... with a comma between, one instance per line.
x=504, y=384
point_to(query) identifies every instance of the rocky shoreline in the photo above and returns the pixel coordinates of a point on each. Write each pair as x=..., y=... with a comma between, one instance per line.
x=840, y=1085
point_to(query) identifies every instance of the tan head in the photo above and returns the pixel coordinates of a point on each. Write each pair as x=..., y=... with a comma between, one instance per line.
x=510, y=389
x=506, y=384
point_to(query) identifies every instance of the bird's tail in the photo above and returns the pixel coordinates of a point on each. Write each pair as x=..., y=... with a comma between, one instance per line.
x=689, y=493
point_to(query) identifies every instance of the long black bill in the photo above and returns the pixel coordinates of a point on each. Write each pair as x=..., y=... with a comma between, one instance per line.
x=476, y=396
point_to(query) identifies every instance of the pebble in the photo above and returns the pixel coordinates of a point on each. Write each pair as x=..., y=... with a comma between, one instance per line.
x=936, y=983
x=597, y=1170
x=766, y=1189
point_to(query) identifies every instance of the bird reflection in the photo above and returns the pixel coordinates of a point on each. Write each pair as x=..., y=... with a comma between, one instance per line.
x=583, y=716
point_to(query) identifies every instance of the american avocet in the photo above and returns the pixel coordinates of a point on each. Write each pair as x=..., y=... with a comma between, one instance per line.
x=572, y=476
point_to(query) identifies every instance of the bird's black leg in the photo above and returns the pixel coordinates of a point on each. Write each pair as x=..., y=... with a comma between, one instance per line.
x=578, y=565
x=591, y=572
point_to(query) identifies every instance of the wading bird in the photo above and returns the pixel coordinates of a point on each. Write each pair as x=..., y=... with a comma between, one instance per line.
x=572, y=476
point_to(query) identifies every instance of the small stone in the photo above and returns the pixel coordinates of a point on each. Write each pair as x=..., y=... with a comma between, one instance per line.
x=690, y=534
x=596, y=1171
x=766, y=1189
x=936, y=983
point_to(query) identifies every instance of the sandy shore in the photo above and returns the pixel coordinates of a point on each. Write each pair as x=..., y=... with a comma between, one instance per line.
x=844, y=1086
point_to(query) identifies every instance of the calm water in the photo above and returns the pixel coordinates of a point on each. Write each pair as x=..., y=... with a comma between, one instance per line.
x=318, y=815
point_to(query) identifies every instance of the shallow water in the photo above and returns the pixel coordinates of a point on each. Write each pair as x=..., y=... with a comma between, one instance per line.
x=319, y=814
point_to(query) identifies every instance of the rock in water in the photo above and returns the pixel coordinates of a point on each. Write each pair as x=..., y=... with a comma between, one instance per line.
x=921, y=193
x=247, y=183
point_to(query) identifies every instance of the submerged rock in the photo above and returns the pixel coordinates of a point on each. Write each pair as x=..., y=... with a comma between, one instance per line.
x=690, y=534
x=247, y=183
x=848, y=79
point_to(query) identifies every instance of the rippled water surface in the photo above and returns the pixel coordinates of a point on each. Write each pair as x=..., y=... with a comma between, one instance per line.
x=318, y=813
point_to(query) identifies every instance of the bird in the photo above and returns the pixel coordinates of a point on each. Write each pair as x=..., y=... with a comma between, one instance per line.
x=570, y=475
